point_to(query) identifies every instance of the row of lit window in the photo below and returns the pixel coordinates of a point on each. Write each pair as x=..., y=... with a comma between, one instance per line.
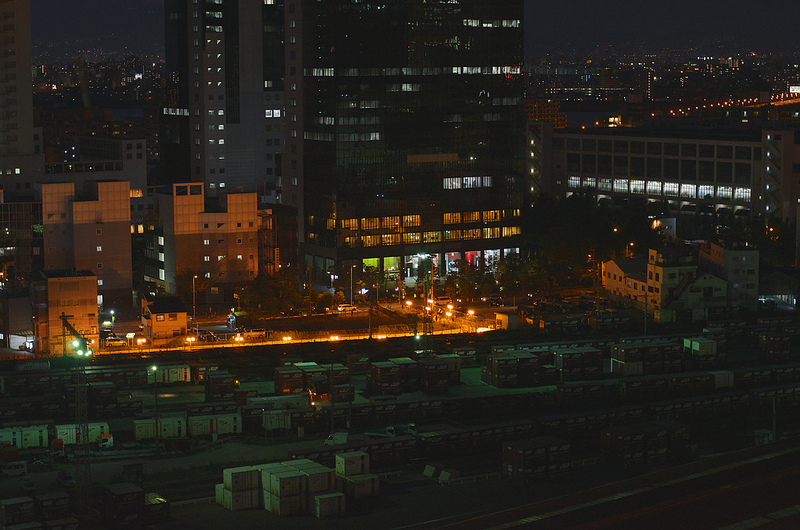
x=457, y=183
x=220, y=258
x=475, y=23
x=374, y=72
x=655, y=187
x=374, y=223
x=433, y=237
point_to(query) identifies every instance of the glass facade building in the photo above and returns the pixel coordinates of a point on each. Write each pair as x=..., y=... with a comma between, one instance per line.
x=405, y=131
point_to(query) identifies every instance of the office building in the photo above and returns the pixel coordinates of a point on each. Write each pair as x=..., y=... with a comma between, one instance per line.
x=395, y=130
x=21, y=155
x=404, y=132
x=216, y=239
x=737, y=173
x=90, y=231
x=222, y=124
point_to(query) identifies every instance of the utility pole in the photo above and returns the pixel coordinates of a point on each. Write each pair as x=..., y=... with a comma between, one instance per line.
x=83, y=469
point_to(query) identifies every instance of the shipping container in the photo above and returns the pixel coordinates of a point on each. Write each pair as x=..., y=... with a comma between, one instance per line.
x=68, y=432
x=212, y=424
x=170, y=427
x=359, y=486
x=353, y=463
x=329, y=505
x=241, y=500
x=241, y=478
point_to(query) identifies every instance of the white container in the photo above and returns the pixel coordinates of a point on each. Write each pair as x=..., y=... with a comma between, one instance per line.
x=68, y=432
x=170, y=427
x=283, y=506
x=266, y=470
x=286, y=484
x=241, y=500
x=359, y=486
x=329, y=504
x=354, y=463
x=170, y=374
x=34, y=436
x=206, y=424
x=241, y=478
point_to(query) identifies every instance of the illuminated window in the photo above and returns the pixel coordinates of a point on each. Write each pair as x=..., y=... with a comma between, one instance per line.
x=491, y=215
x=452, y=235
x=472, y=217
x=411, y=220
x=452, y=218
x=390, y=222
x=431, y=237
x=370, y=223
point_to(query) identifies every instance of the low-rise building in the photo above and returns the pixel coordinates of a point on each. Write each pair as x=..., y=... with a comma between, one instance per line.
x=62, y=297
x=163, y=319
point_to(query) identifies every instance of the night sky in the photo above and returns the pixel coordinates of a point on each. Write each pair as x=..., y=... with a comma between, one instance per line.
x=136, y=26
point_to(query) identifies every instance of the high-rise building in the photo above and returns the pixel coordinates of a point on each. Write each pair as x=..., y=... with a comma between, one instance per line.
x=21, y=157
x=222, y=118
x=395, y=129
x=405, y=131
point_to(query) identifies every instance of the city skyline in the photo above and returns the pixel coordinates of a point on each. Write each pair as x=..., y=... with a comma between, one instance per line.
x=137, y=26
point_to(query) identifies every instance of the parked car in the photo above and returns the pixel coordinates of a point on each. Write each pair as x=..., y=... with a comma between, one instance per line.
x=115, y=342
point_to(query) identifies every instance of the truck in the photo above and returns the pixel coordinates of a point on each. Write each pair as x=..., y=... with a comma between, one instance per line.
x=406, y=428
x=336, y=438
x=380, y=432
x=106, y=441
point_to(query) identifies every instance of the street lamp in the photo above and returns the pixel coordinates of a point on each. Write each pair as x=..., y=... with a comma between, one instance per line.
x=351, y=282
x=194, y=305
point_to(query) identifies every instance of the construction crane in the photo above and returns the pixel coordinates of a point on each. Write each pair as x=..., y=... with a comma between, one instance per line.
x=83, y=470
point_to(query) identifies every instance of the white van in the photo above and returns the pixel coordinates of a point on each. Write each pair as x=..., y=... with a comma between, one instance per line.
x=15, y=468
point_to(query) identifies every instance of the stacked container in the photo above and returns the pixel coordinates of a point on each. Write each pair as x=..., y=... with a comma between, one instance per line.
x=240, y=488
x=453, y=368
x=283, y=490
x=774, y=346
x=384, y=379
x=409, y=373
x=288, y=380
x=16, y=511
x=536, y=459
x=502, y=371
x=353, y=469
x=102, y=400
x=219, y=386
x=123, y=505
x=434, y=376
x=51, y=506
